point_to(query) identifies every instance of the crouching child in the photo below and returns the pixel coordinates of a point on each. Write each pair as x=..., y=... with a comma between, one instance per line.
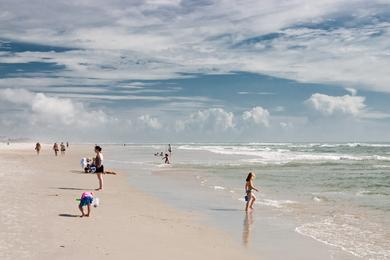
x=86, y=200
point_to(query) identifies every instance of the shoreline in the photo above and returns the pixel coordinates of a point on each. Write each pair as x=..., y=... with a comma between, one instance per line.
x=40, y=219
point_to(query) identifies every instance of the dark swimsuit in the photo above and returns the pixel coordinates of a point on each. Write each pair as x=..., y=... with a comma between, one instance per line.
x=101, y=168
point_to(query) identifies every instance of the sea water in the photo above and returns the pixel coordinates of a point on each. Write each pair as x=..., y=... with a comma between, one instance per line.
x=332, y=194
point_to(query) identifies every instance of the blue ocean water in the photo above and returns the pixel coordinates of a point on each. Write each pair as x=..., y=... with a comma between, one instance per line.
x=334, y=194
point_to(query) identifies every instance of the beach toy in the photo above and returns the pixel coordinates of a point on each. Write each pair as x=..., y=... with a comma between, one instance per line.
x=95, y=202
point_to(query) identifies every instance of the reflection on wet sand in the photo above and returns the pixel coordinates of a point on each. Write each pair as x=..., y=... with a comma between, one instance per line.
x=246, y=232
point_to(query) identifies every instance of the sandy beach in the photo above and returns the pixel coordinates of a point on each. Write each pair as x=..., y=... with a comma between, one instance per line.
x=40, y=218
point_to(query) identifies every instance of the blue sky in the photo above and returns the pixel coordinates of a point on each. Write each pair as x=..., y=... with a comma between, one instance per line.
x=195, y=71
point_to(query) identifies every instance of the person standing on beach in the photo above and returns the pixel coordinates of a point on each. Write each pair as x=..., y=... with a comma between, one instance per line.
x=67, y=145
x=38, y=148
x=249, y=188
x=99, y=166
x=170, y=150
x=62, y=149
x=55, y=148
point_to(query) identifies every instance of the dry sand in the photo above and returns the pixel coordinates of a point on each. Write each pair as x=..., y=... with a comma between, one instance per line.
x=40, y=220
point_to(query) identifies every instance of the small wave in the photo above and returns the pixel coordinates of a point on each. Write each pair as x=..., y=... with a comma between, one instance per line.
x=345, y=232
x=164, y=165
x=266, y=155
x=272, y=203
x=218, y=188
x=371, y=193
x=380, y=166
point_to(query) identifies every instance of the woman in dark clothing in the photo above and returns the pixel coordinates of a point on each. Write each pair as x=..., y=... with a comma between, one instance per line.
x=99, y=166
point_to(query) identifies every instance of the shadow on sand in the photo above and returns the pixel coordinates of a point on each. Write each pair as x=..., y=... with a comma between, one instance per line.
x=77, y=171
x=222, y=209
x=70, y=188
x=69, y=215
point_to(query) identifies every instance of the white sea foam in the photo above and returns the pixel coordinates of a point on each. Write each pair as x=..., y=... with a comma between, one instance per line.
x=272, y=203
x=275, y=203
x=266, y=155
x=347, y=233
x=218, y=188
x=164, y=165
x=317, y=199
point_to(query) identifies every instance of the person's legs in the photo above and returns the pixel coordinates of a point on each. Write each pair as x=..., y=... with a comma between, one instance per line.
x=82, y=210
x=247, y=205
x=252, y=201
x=249, y=197
x=100, y=178
x=88, y=210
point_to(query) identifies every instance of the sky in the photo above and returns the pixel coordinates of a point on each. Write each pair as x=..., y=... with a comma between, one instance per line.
x=195, y=71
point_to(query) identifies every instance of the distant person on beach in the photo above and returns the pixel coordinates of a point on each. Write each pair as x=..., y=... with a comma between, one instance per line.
x=38, y=148
x=170, y=150
x=99, y=166
x=86, y=200
x=55, y=148
x=67, y=145
x=62, y=149
x=250, y=198
x=166, y=158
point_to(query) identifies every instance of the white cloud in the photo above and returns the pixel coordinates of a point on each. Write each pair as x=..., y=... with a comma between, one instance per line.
x=150, y=122
x=160, y=39
x=215, y=119
x=352, y=91
x=257, y=115
x=114, y=42
x=52, y=110
x=286, y=125
x=337, y=105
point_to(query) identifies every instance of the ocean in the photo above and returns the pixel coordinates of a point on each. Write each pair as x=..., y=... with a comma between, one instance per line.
x=332, y=195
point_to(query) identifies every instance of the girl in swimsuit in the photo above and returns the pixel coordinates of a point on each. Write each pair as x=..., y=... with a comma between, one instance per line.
x=249, y=188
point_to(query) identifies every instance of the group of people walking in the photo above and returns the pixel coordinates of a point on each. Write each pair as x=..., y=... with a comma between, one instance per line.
x=62, y=147
x=56, y=148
